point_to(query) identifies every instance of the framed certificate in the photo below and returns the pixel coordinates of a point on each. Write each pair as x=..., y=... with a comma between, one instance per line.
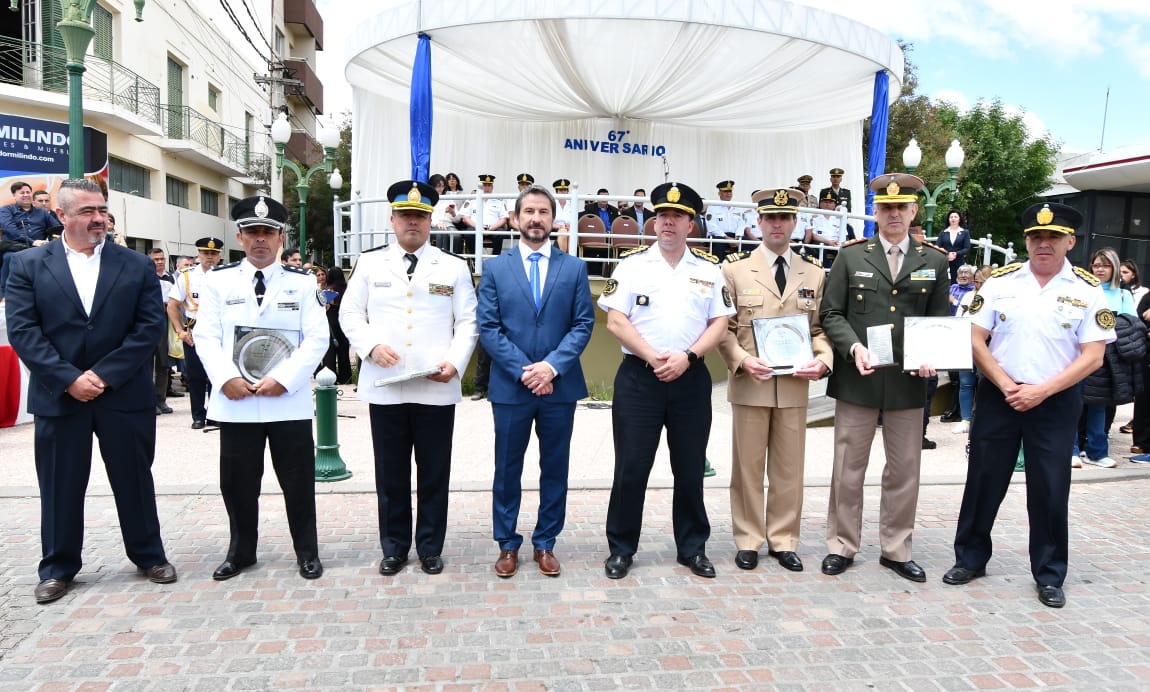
x=258, y=350
x=783, y=342
x=880, y=346
x=941, y=342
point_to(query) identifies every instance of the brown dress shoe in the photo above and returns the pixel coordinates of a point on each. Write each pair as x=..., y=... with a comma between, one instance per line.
x=161, y=574
x=507, y=564
x=50, y=590
x=548, y=563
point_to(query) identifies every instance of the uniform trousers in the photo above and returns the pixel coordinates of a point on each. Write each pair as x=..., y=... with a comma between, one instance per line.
x=161, y=371
x=396, y=430
x=902, y=440
x=63, y=465
x=241, y=472
x=1046, y=432
x=774, y=438
x=643, y=406
x=197, y=379
x=553, y=422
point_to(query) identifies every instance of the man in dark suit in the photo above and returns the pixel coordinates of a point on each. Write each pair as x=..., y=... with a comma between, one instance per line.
x=876, y=283
x=638, y=211
x=535, y=318
x=85, y=317
x=603, y=209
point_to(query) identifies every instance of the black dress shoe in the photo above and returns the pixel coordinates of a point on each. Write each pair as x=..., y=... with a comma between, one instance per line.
x=391, y=565
x=172, y=394
x=617, y=566
x=928, y=444
x=49, y=590
x=311, y=569
x=700, y=565
x=198, y=424
x=907, y=570
x=747, y=559
x=961, y=575
x=432, y=564
x=1051, y=596
x=834, y=565
x=789, y=559
x=161, y=574
x=163, y=408
x=229, y=569
x=478, y=396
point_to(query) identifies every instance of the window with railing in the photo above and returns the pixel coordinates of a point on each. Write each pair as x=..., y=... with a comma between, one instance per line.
x=209, y=201
x=177, y=192
x=129, y=178
x=213, y=98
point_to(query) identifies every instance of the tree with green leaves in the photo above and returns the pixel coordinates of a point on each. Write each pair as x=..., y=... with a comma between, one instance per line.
x=320, y=229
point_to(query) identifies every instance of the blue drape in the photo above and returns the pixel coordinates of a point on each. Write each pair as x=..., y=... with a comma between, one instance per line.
x=876, y=153
x=421, y=110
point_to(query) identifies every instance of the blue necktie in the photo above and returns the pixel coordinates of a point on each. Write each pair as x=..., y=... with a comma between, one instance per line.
x=536, y=289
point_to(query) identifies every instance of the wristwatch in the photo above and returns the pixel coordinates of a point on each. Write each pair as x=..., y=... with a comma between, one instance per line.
x=692, y=357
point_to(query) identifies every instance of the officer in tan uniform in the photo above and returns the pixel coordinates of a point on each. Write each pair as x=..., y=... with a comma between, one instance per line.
x=769, y=407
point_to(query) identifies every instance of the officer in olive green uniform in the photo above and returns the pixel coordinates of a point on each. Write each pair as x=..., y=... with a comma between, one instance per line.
x=860, y=293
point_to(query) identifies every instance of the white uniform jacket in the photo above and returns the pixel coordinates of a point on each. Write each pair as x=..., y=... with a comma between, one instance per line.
x=427, y=320
x=290, y=305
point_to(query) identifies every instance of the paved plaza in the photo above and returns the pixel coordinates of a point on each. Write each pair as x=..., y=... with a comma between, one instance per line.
x=660, y=628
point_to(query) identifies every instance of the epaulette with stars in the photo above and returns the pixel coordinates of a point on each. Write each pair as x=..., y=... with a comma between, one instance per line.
x=1006, y=269
x=936, y=247
x=296, y=270
x=221, y=267
x=813, y=261
x=703, y=254
x=634, y=251
x=736, y=256
x=1087, y=276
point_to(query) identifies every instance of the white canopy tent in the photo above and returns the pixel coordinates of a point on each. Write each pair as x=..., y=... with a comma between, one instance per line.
x=618, y=93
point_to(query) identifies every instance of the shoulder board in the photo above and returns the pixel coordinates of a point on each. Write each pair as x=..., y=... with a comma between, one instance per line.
x=736, y=256
x=296, y=270
x=221, y=267
x=1087, y=276
x=703, y=254
x=932, y=245
x=856, y=241
x=377, y=247
x=1006, y=269
x=634, y=251
x=813, y=260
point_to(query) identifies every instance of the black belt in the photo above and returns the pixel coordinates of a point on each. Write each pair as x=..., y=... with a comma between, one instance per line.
x=645, y=364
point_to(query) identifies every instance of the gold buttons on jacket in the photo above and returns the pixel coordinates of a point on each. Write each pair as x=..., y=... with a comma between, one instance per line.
x=894, y=292
x=892, y=308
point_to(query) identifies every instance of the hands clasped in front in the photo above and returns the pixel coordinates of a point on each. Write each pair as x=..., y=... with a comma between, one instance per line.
x=87, y=386
x=238, y=388
x=538, y=378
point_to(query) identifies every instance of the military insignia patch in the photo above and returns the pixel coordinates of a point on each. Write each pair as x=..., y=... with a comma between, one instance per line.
x=610, y=287
x=319, y=297
x=892, y=187
x=727, y=297
x=261, y=209
x=1045, y=216
x=673, y=194
x=1105, y=319
x=781, y=198
x=976, y=304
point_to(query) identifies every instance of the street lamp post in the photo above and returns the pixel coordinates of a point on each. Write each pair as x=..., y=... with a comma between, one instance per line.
x=329, y=138
x=76, y=30
x=912, y=156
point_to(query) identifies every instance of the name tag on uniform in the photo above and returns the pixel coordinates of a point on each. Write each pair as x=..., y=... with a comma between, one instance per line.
x=1073, y=301
x=382, y=284
x=702, y=282
x=865, y=275
x=236, y=301
x=922, y=275
x=440, y=290
x=287, y=306
x=752, y=292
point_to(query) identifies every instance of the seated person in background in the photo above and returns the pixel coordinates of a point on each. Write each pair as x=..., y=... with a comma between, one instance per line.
x=827, y=230
x=444, y=216
x=564, y=213
x=23, y=225
x=603, y=209
x=494, y=218
x=637, y=211
x=964, y=283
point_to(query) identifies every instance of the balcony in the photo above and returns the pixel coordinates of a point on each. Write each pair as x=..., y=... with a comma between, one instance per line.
x=303, y=14
x=310, y=91
x=132, y=102
x=192, y=134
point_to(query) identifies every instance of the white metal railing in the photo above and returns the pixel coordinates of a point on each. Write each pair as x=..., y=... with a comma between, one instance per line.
x=351, y=240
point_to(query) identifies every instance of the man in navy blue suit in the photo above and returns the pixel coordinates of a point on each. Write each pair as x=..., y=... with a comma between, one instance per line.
x=85, y=316
x=535, y=317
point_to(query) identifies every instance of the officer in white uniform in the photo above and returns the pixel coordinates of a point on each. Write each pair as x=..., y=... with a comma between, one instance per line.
x=182, y=305
x=667, y=305
x=826, y=230
x=261, y=332
x=409, y=311
x=1048, y=323
x=494, y=217
x=726, y=225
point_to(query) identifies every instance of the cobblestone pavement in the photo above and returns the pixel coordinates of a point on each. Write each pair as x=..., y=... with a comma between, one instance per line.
x=660, y=628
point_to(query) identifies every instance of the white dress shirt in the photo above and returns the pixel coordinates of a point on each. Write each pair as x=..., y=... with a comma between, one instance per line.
x=85, y=272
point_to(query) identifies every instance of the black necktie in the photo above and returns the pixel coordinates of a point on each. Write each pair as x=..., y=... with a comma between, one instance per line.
x=260, y=288
x=781, y=274
x=411, y=260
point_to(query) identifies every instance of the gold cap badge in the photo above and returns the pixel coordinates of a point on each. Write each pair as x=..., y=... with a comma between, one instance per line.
x=261, y=208
x=781, y=198
x=211, y=245
x=673, y=195
x=1045, y=216
x=414, y=195
x=892, y=187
